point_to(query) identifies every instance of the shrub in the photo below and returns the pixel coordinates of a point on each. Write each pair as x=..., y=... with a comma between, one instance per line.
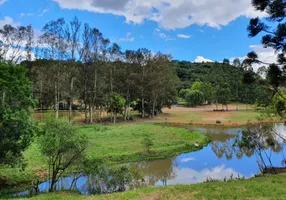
x=147, y=143
x=194, y=98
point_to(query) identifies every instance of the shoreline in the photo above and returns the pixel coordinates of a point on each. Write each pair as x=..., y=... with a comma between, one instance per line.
x=222, y=124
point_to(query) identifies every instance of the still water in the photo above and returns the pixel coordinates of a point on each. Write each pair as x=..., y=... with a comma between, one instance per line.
x=216, y=161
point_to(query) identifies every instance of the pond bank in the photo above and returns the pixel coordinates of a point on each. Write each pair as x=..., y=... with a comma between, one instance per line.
x=223, y=124
x=273, y=188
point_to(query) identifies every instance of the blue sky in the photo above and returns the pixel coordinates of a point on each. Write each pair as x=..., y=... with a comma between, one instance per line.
x=187, y=29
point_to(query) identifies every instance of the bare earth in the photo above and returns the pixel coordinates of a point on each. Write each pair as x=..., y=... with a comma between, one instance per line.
x=205, y=115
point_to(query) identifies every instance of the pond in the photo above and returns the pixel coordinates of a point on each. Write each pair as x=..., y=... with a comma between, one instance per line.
x=216, y=161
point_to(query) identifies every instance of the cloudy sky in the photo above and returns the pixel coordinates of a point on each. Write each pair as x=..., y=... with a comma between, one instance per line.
x=192, y=30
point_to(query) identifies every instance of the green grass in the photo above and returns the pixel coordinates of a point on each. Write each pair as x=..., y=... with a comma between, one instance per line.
x=245, y=115
x=122, y=142
x=266, y=187
x=183, y=116
x=116, y=143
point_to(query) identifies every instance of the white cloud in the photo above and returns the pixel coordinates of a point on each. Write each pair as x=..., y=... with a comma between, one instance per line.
x=241, y=59
x=184, y=36
x=169, y=14
x=42, y=12
x=6, y=20
x=128, y=38
x=2, y=2
x=267, y=55
x=26, y=14
x=17, y=54
x=200, y=59
x=190, y=176
x=185, y=160
x=163, y=35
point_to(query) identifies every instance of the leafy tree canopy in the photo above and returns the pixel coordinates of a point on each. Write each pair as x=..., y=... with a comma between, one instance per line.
x=16, y=125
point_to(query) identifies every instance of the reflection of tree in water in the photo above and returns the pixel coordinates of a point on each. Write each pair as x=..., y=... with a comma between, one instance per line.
x=154, y=171
x=258, y=139
x=228, y=149
x=223, y=143
x=261, y=139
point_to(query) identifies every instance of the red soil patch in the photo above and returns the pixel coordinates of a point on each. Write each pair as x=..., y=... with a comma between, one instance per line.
x=206, y=108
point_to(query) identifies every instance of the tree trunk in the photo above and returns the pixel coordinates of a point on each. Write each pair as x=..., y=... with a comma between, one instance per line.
x=114, y=118
x=129, y=111
x=90, y=114
x=56, y=102
x=125, y=113
x=85, y=113
x=54, y=176
x=71, y=100
x=143, y=108
x=99, y=116
x=41, y=95
x=153, y=108
x=92, y=102
x=85, y=103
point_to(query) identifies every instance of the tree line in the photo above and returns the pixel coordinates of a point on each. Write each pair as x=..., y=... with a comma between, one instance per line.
x=76, y=65
x=222, y=83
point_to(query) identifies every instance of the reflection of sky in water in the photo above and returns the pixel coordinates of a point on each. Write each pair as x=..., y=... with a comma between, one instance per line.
x=197, y=166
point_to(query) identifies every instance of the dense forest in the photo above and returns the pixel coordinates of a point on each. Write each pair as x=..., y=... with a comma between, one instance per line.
x=224, y=82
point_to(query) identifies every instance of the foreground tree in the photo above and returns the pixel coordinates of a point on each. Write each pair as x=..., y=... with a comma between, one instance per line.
x=16, y=125
x=63, y=147
x=274, y=38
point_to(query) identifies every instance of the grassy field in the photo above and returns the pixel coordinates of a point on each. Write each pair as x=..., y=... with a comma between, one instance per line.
x=122, y=142
x=267, y=187
x=116, y=143
x=206, y=116
x=201, y=115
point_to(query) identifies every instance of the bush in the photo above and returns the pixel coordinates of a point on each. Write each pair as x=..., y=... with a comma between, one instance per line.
x=62, y=145
x=218, y=121
x=194, y=98
x=147, y=143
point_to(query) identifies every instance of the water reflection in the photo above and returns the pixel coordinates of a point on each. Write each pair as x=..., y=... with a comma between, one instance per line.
x=154, y=172
x=219, y=160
